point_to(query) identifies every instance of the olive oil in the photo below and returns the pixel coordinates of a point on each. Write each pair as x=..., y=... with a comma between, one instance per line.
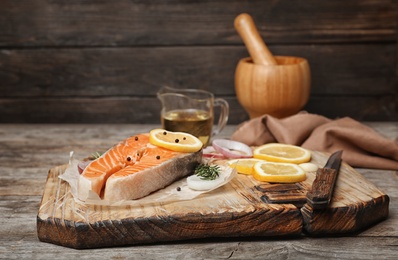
x=193, y=121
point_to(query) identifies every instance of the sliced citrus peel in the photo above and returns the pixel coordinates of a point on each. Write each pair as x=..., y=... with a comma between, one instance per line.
x=278, y=172
x=175, y=141
x=285, y=153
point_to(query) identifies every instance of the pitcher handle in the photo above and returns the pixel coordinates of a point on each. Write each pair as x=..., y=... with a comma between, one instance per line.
x=223, y=118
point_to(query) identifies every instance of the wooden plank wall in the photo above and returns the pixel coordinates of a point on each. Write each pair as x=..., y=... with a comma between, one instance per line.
x=86, y=61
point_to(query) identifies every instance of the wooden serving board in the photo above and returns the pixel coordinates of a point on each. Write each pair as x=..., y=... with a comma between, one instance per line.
x=243, y=207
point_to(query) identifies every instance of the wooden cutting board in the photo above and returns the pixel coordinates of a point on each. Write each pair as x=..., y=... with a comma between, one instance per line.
x=244, y=207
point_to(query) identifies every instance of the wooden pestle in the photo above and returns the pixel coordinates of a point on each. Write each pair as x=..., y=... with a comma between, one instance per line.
x=247, y=30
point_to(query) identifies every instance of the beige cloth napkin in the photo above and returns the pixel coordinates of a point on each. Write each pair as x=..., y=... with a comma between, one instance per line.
x=361, y=145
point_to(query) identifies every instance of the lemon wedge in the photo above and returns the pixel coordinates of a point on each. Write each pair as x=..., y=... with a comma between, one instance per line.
x=244, y=165
x=276, y=152
x=175, y=141
x=278, y=172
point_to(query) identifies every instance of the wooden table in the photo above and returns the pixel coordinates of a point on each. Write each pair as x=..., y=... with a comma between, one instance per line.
x=27, y=152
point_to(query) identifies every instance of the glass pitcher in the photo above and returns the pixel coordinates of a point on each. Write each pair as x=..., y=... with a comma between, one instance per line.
x=192, y=111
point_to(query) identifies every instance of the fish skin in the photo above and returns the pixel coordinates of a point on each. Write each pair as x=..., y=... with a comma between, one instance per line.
x=133, y=169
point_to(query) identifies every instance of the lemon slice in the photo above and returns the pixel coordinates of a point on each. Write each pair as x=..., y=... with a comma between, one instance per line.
x=278, y=172
x=175, y=141
x=244, y=165
x=276, y=152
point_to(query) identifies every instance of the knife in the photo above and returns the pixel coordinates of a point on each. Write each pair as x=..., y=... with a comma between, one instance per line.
x=321, y=192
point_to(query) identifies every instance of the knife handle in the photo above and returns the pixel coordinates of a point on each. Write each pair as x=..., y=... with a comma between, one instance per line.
x=321, y=192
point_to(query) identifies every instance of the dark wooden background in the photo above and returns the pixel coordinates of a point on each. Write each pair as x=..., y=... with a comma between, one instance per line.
x=86, y=61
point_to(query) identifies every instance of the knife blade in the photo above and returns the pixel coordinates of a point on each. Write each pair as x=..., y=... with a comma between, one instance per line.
x=320, y=195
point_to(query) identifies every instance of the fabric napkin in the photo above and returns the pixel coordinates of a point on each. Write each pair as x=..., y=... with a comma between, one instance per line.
x=361, y=145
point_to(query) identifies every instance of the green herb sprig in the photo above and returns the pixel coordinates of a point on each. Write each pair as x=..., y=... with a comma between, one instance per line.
x=96, y=155
x=207, y=172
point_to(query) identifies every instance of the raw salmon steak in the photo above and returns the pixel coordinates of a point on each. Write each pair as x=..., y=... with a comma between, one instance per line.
x=135, y=168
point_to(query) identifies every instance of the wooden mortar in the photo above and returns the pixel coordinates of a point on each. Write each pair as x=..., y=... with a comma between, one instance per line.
x=267, y=84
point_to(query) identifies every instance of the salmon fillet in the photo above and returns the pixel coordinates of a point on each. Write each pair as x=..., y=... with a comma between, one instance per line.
x=133, y=169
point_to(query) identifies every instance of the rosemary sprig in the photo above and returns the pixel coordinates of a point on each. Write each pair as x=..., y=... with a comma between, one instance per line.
x=207, y=172
x=96, y=155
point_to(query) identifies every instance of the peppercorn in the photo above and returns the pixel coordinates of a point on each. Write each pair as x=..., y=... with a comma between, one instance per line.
x=158, y=157
x=176, y=140
x=128, y=158
x=178, y=188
